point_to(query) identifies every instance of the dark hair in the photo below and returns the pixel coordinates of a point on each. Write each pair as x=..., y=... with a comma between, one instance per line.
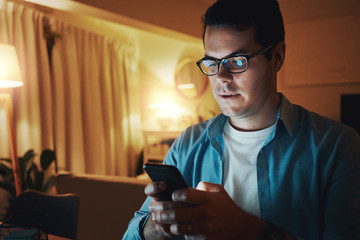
x=264, y=15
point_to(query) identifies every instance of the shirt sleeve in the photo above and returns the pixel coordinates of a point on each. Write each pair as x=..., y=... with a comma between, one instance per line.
x=137, y=224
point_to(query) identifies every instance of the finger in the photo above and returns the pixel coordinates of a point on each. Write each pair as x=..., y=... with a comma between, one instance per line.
x=165, y=229
x=193, y=228
x=210, y=187
x=154, y=188
x=195, y=237
x=176, y=215
x=163, y=217
x=193, y=196
x=163, y=205
x=181, y=229
x=190, y=229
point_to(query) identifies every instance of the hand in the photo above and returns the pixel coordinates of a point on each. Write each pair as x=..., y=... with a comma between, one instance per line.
x=153, y=230
x=206, y=212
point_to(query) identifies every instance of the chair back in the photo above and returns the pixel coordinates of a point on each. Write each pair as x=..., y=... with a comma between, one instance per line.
x=52, y=214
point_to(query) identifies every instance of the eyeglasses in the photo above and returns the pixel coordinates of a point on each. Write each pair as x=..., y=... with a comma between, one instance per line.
x=233, y=64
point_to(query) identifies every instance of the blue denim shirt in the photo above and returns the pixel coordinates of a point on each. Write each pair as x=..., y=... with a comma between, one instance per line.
x=308, y=173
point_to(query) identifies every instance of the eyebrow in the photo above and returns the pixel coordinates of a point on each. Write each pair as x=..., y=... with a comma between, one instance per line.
x=236, y=53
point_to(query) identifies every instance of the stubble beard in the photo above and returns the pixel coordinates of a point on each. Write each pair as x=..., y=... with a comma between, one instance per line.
x=235, y=113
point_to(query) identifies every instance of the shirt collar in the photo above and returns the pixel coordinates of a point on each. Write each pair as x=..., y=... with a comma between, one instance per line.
x=286, y=114
x=216, y=126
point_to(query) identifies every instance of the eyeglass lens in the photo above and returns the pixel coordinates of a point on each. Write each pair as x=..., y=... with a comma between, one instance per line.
x=233, y=64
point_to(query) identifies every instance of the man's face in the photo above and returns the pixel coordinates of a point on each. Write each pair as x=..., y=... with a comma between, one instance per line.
x=242, y=95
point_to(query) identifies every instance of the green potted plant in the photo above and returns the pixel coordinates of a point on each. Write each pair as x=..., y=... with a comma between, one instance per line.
x=32, y=177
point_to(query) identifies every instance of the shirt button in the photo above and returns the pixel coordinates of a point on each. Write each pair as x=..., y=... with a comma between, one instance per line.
x=262, y=194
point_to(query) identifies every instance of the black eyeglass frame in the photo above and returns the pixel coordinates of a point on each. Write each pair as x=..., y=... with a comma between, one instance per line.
x=222, y=61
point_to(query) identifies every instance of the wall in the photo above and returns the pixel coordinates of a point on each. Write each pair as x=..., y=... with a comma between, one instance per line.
x=180, y=16
x=322, y=56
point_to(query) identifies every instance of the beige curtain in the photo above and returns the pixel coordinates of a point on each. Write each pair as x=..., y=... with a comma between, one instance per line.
x=22, y=27
x=97, y=119
x=90, y=98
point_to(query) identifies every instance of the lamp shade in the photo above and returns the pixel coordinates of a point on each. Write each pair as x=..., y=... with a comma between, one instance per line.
x=10, y=75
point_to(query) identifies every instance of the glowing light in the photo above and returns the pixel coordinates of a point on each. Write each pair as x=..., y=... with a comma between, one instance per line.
x=166, y=109
x=10, y=84
x=163, y=105
x=10, y=75
x=186, y=86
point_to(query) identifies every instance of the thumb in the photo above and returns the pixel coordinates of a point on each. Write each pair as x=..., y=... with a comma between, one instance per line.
x=210, y=187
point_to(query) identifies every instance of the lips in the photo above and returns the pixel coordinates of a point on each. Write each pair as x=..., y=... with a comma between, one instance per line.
x=229, y=95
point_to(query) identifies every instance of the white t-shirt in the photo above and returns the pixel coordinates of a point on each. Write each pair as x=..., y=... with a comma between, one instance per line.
x=240, y=174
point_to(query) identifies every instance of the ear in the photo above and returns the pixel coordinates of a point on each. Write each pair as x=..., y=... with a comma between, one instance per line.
x=279, y=56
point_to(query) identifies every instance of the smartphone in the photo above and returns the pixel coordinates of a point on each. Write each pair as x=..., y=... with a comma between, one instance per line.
x=167, y=173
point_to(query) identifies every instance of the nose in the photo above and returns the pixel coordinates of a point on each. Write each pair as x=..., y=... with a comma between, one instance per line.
x=223, y=75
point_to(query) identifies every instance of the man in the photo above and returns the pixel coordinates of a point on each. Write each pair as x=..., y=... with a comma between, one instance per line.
x=264, y=168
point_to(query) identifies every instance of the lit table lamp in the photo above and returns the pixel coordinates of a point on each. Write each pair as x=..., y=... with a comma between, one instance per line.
x=10, y=77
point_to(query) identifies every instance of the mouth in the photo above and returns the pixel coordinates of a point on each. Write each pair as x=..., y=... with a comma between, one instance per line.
x=229, y=96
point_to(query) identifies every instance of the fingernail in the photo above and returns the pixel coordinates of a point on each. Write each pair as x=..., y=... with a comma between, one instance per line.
x=174, y=228
x=154, y=216
x=179, y=195
x=151, y=208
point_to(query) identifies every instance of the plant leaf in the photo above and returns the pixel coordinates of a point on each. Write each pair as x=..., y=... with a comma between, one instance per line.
x=22, y=168
x=6, y=160
x=29, y=155
x=48, y=184
x=4, y=168
x=6, y=172
x=39, y=179
x=46, y=158
x=33, y=169
x=28, y=159
x=29, y=183
x=8, y=187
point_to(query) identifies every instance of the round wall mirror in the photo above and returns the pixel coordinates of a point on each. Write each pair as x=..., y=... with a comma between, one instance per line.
x=190, y=82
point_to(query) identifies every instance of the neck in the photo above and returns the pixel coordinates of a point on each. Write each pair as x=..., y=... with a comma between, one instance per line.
x=264, y=117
